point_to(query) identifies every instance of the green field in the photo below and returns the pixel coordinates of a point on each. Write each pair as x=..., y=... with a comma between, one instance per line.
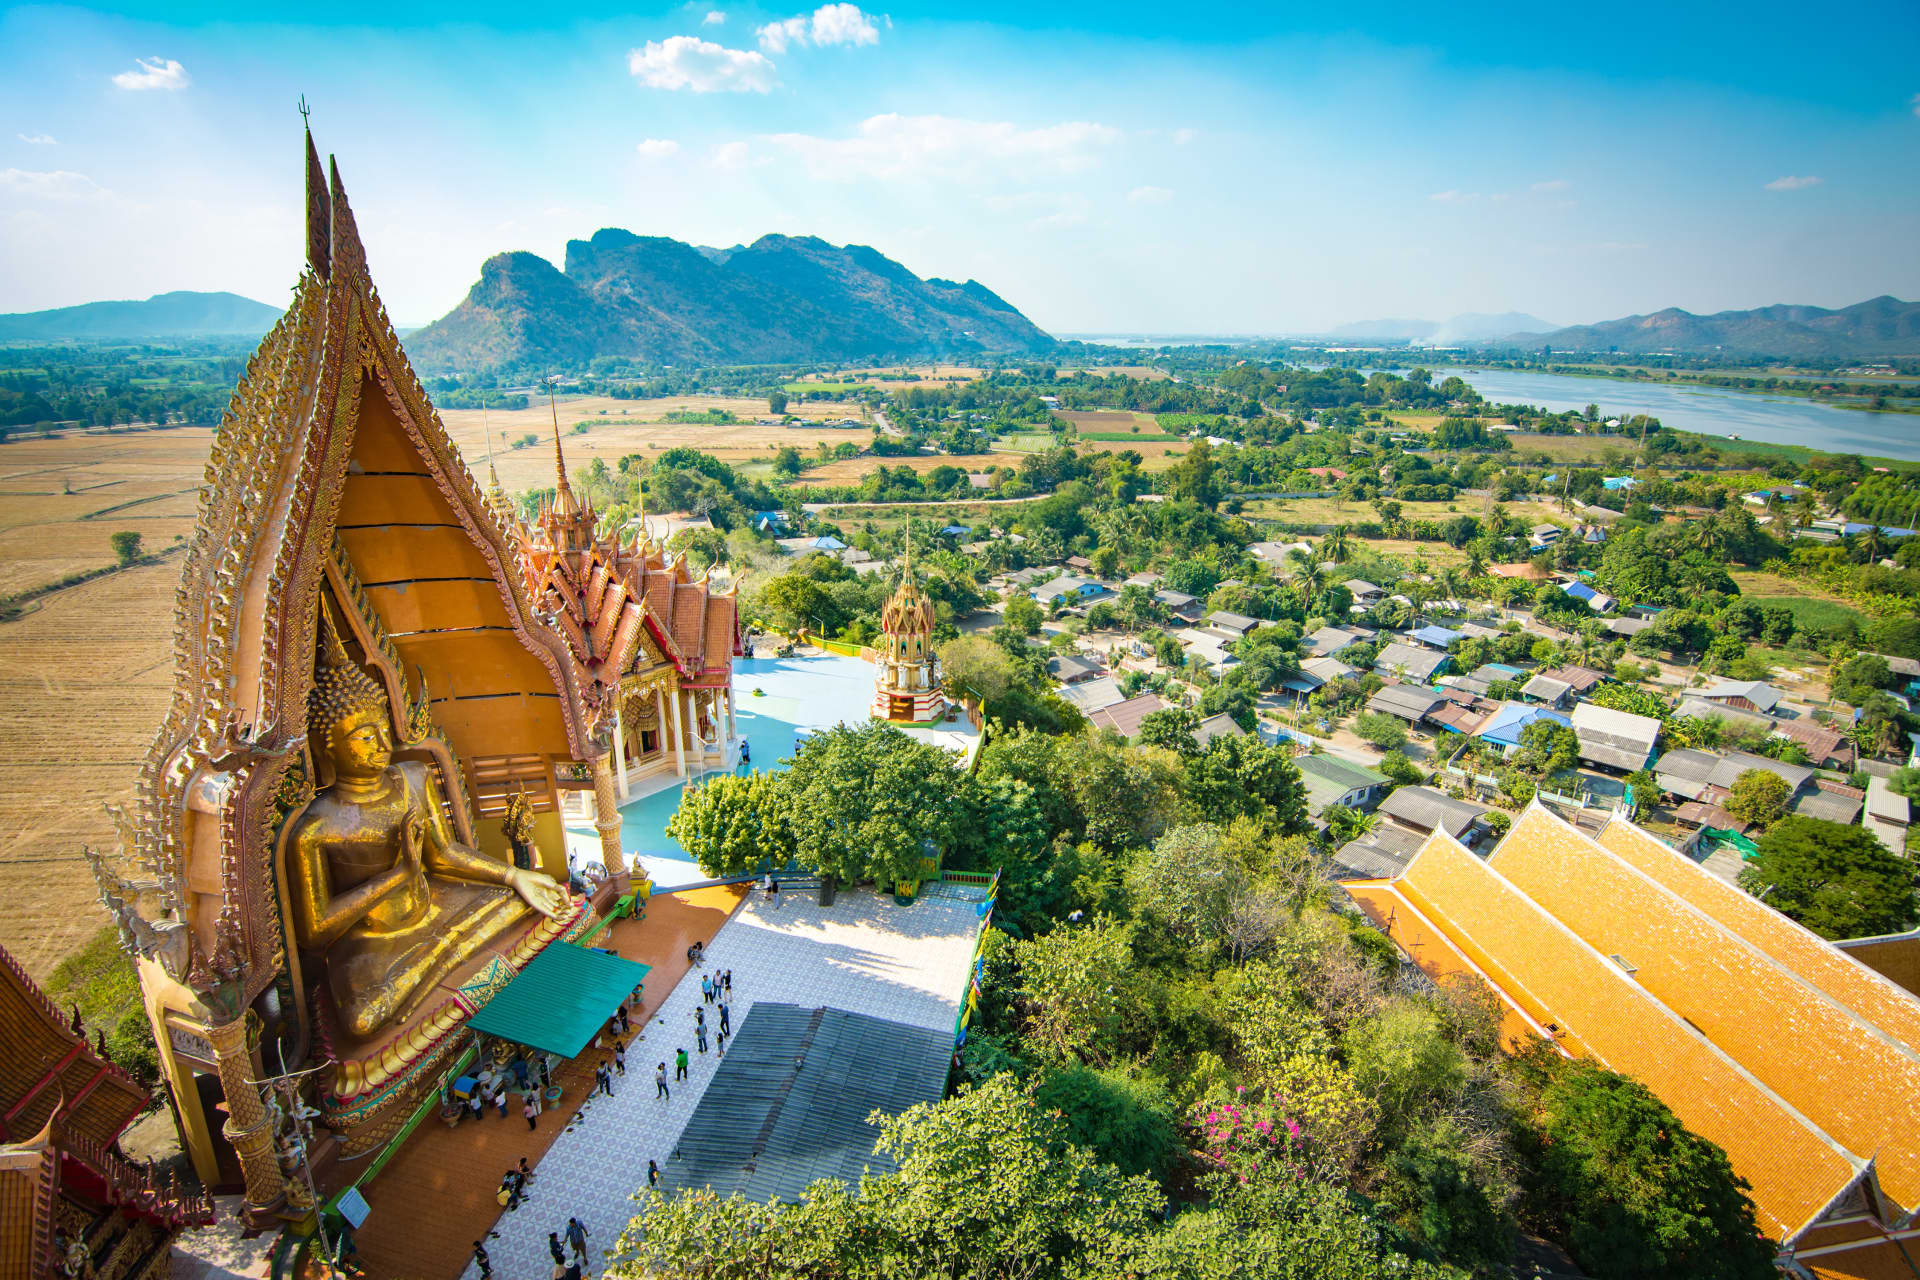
x=1809, y=608
x=1026, y=442
x=808, y=388
x=1123, y=436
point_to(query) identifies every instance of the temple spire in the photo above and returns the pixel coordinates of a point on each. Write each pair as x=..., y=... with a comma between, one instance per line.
x=563, y=500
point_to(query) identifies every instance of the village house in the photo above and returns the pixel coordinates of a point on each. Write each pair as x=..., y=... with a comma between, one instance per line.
x=1409, y=662
x=1617, y=740
x=1364, y=593
x=1181, y=605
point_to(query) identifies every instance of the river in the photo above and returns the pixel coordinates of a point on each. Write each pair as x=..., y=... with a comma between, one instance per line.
x=1709, y=410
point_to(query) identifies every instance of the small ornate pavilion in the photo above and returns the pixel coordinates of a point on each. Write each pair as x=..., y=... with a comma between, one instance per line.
x=906, y=688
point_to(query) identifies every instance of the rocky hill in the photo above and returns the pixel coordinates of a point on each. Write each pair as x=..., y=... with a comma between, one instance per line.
x=165, y=315
x=782, y=299
x=1883, y=326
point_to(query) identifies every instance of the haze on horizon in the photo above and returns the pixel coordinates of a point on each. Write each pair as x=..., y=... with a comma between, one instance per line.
x=1106, y=168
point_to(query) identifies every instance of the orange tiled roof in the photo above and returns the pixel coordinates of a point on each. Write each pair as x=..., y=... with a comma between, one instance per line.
x=1827, y=1062
x=1815, y=960
x=46, y=1067
x=1795, y=1168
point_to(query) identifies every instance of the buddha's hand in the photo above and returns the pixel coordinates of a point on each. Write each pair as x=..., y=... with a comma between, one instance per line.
x=541, y=893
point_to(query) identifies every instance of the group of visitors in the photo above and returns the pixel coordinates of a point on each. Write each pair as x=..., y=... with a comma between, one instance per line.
x=569, y=1261
x=530, y=1080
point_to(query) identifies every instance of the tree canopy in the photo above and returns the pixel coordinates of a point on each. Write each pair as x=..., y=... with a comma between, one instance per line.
x=1836, y=879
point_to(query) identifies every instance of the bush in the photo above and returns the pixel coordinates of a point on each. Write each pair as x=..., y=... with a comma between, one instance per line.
x=1126, y=1121
x=1381, y=730
x=1758, y=796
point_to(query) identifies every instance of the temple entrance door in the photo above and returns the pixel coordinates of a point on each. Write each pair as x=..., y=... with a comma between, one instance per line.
x=212, y=1103
x=900, y=707
x=649, y=741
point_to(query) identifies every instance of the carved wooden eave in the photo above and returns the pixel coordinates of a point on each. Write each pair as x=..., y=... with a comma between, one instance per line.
x=229, y=756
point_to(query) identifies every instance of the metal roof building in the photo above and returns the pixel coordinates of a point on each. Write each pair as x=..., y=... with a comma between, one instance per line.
x=790, y=1102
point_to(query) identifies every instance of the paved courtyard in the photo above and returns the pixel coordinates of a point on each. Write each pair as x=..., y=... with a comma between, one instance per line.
x=863, y=954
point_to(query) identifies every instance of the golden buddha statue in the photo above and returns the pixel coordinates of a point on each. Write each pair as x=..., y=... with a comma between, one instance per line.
x=380, y=887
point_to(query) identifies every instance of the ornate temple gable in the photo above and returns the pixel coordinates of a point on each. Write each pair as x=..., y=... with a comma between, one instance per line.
x=328, y=433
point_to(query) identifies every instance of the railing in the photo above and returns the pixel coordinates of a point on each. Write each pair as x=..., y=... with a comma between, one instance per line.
x=139, y=1187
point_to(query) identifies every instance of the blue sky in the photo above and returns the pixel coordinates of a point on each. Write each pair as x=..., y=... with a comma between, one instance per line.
x=1107, y=168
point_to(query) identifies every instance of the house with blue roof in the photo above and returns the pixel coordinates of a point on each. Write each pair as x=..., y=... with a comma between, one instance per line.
x=1434, y=637
x=1505, y=726
x=1598, y=601
x=1617, y=483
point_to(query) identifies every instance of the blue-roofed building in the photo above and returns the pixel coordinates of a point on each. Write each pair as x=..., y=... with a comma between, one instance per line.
x=1506, y=724
x=1598, y=601
x=770, y=521
x=1434, y=637
x=1498, y=671
x=1618, y=482
x=956, y=531
x=827, y=542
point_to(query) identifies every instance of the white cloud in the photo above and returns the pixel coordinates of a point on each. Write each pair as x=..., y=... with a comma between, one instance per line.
x=843, y=24
x=895, y=146
x=155, y=73
x=39, y=140
x=829, y=24
x=1552, y=184
x=1181, y=137
x=657, y=148
x=714, y=18
x=728, y=155
x=1793, y=184
x=53, y=184
x=1149, y=195
x=688, y=62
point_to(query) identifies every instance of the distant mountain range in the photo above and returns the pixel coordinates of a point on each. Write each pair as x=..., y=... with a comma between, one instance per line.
x=780, y=300
x=165, y=315
x=1470, y=327
x=1883, y=326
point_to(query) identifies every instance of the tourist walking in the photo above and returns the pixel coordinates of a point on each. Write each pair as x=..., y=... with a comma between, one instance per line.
x=531, y=1110
x=620, y=1056
x=605, y=1074
x=500, y=1101
x=482, y=1261
x=653, y=1174
x=680, y=1064
x=726, y=1016
x=706, y=989
x=577, y=1237
x=476, y=1103
x=726, y=980
x=660, y=1083
x=773, y=894
x=700, y=1015
x=700, y=1037
x=553, y=1247
x=720, y=1045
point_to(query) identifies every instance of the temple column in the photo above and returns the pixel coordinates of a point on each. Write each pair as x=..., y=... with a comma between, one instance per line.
x=606, y=815
x=679, y=733
x=660, y=718
x=733, y=728
x=247, y=1126
x=619, y=745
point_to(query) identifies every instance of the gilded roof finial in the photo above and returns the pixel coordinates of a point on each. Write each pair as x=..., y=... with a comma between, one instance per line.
x=563, y=499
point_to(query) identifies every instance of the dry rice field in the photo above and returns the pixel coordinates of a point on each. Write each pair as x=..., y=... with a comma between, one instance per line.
x=84, y=676
x=636, y=426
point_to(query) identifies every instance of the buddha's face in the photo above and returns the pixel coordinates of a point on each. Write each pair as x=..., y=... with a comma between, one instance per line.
x=362, y=744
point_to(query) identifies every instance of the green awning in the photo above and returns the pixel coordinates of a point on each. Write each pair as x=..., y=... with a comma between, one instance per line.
x=561, y=1000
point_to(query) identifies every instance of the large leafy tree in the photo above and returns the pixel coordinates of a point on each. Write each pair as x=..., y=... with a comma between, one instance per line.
x=1635, y=1195
x=866, y=803
x=1075, y=985
x=733, y=824
x=989, y=1184
x=1837, y=880
x=1244, y=776
x=1758, y=796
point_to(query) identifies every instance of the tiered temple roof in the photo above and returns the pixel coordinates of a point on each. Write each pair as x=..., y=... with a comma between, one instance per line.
x=63, y=1105
x=603, y=592
x=1803, y=1064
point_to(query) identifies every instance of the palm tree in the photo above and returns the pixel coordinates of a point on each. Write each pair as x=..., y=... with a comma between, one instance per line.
x=1476, y=563
x=1334, y=546
x=1450, y=584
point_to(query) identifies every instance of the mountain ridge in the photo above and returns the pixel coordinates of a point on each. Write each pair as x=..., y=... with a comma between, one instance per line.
x=782, y=299
x=1882, y=326
x=181, y=313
